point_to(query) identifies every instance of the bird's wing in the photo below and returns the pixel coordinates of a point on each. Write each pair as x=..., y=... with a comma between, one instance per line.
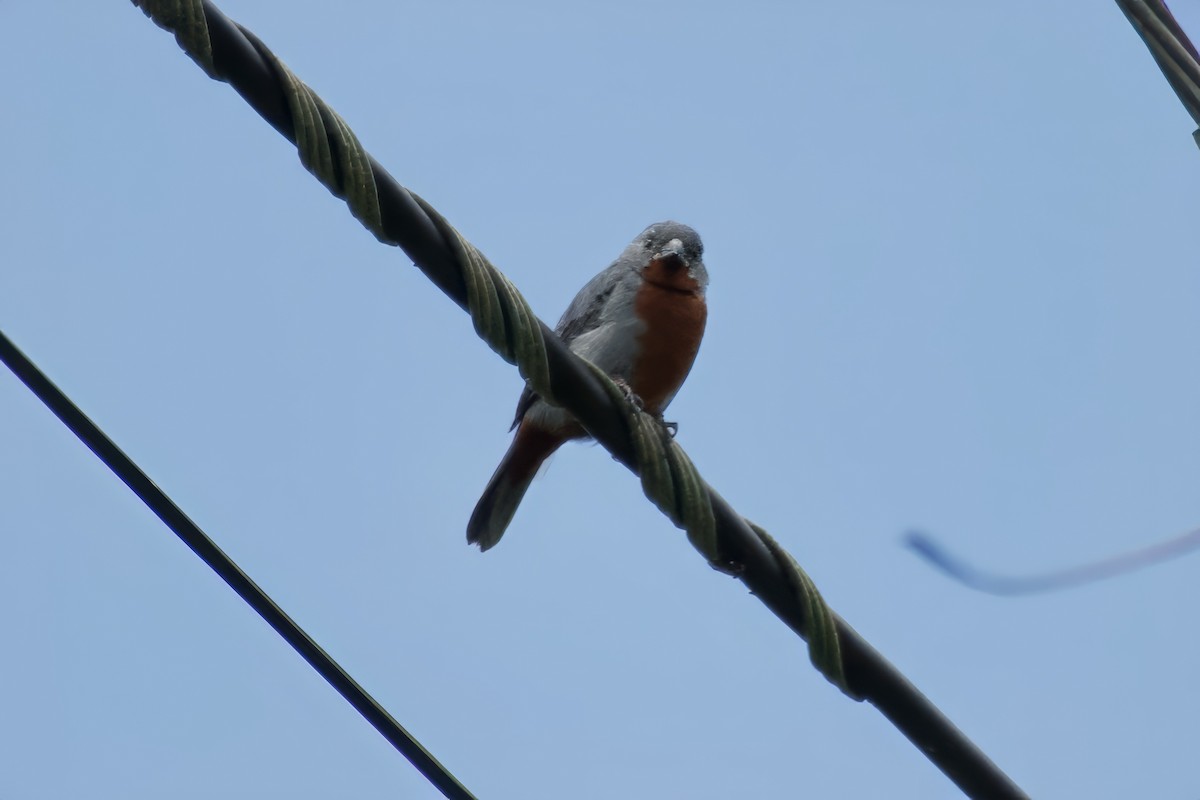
x=584, y=312
x=581, y=316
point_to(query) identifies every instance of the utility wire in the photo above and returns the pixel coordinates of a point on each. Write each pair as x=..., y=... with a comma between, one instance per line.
x=231, y=573
x=1174, y=53
x=229, y=53
x=1007, y=585
x=235, y=57
x=1179, y=61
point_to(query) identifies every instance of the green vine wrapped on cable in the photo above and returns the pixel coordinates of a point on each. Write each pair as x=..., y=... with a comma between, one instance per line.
x=502, y=317
x=505, y=321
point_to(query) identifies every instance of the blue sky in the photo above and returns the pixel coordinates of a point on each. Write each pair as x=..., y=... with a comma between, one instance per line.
x=953, y=288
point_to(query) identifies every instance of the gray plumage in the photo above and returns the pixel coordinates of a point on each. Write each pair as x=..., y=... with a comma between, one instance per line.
x=596, y=323
x=601, y=325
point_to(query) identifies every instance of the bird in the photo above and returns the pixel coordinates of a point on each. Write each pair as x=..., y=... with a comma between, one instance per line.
x=641, y=321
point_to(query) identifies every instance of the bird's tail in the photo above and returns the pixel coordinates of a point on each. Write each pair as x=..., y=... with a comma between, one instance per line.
x=531, y=446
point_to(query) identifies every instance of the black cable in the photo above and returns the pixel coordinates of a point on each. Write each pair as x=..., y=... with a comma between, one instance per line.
x=237, y=61
x=1174, y=53
x=231, y=573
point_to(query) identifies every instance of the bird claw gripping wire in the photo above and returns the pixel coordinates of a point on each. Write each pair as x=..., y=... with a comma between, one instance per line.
x=631, y=397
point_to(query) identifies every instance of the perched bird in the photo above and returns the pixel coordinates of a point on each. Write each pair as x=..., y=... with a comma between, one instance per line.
x=641, y=321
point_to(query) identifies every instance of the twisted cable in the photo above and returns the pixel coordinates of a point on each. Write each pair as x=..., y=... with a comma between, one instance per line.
x=1171, y=49
x=504, y=320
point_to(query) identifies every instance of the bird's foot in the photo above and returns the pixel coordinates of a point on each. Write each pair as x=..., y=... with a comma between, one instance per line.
x=627, y=390
x=672, y=428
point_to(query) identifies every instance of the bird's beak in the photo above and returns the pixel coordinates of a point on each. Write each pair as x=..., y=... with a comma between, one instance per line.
x=672, y=255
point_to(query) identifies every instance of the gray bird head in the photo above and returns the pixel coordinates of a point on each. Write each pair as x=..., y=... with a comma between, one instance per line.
x=672, y=243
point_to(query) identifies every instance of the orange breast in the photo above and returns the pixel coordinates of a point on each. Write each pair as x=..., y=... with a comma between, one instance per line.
x=674, y=312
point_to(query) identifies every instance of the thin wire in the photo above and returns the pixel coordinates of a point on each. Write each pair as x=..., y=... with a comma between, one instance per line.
x=174, y=518
x=1007, y=585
